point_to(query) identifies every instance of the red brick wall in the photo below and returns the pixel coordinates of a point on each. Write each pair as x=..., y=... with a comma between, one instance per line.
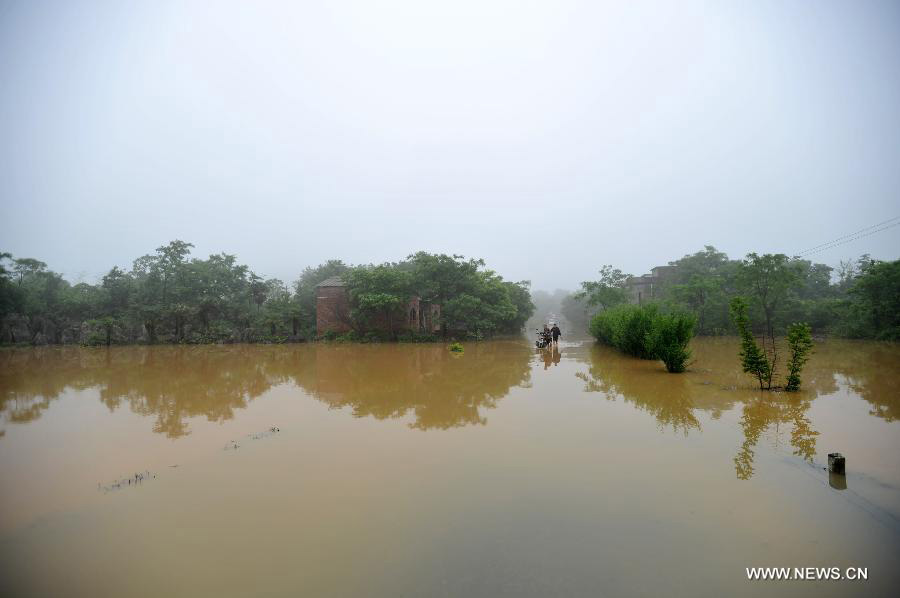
x=333, y=313
x=332, y=310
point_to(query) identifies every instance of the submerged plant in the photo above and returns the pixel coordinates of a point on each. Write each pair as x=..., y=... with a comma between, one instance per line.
x=799, y=340
x=753, y=359
x=669, y=337
x=626, y=327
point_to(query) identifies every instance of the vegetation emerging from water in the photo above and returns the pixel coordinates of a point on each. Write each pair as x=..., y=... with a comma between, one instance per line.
x=799, y=340
x=644, y=331
x=669, y=337
x=169, y=296
x=754, y=360
x=858, y=299
x=761, y=362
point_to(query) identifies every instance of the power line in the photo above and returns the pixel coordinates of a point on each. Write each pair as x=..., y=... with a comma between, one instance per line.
x=862, y=230
x=847, y=239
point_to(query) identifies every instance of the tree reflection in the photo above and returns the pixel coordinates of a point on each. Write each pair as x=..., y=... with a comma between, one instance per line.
x=760, y=414
x=667, y=398
x=29, y=383
x=674, y=399
x=173, y=384
x=440, y=389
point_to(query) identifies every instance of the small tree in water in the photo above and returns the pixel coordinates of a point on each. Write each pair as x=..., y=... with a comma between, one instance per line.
x=757, y=362
x=800, y=341
x=753, y=360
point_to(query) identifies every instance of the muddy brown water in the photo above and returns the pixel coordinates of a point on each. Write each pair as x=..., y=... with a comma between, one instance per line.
x=405, y=470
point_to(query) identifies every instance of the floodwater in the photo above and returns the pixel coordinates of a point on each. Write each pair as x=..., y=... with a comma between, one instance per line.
x=405, y=470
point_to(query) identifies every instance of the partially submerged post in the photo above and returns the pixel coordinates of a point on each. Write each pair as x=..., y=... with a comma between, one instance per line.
x=836, y=463
x=838, y=481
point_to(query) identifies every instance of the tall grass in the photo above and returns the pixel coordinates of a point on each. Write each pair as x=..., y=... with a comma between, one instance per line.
x=645, y=332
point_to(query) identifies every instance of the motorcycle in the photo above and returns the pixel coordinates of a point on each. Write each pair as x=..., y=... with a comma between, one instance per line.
x=543, y=339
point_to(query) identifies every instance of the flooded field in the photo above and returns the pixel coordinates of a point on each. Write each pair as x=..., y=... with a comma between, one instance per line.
x=405, y=470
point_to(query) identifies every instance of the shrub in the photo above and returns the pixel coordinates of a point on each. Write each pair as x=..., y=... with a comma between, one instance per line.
x=625, y=327
x=456, y=348
x=669, y=337
x=645, y=332
x=753, y=359
x=761, y=362
x=800, y=342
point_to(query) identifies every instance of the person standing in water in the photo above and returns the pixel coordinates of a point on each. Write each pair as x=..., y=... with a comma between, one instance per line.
x=556, y=333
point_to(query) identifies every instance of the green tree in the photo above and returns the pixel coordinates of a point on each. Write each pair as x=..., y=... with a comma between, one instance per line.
x=799, y=339
x=379, y=295
x=439, y=278
x=876, y=294
x=10, y=294
x=608, y=291
x=703, y=283
x=769, y=279
x=754, y=360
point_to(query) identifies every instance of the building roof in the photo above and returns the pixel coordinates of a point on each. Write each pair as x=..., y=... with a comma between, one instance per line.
x=334, y=281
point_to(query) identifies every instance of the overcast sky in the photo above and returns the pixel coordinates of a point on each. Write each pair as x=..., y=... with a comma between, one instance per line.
x=546, y=137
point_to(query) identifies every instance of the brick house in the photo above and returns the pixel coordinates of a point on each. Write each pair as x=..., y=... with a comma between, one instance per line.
x=647, y=287
x=333, y=311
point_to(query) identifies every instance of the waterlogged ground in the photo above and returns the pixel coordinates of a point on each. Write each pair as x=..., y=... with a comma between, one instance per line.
x=404, y=470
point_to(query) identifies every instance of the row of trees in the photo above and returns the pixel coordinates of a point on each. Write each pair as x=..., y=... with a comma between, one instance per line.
x=169, y=296
x=859, y=299
x=475, y=302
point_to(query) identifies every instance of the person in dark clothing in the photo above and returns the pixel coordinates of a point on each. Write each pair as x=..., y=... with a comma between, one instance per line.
x=556, y=333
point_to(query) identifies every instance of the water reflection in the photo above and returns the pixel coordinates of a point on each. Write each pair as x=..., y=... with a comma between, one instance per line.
x=170, y=383
x=761, y=414
x=549, y=355
x=173, y=384
x=668, y=398
x=715, y=384
x=440, y=389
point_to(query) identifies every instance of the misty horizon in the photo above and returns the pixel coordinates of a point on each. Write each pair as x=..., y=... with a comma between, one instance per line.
x=545, y=139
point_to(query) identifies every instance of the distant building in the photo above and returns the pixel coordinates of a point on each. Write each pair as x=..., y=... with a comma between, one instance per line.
x=333, y=311
x=332, y=306
x=648, y=287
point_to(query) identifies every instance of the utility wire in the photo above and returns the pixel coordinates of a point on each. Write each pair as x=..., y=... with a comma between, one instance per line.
x=847, y=239
x=834, y=242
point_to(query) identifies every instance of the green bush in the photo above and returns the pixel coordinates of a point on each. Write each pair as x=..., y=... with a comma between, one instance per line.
x=625, y=327
x=669, y=337
x=645, y=332
x=800, y=342
x=456, y=348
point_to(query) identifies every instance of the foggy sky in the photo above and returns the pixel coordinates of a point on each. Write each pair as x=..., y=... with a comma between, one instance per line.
x=546, y=137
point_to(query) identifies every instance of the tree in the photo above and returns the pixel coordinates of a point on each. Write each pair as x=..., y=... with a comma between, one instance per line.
x=877, y=295
x=607, y=292
x=379, y=295
x=27, y=266
x=520, y=296
x=440, y=277
x=768, y=279
x=800, y=342
x=702, y=282
x=754, y=360
x=10, y=294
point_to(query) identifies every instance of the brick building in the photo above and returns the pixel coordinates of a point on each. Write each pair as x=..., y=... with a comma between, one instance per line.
x=647, y=287
x=333, y=311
